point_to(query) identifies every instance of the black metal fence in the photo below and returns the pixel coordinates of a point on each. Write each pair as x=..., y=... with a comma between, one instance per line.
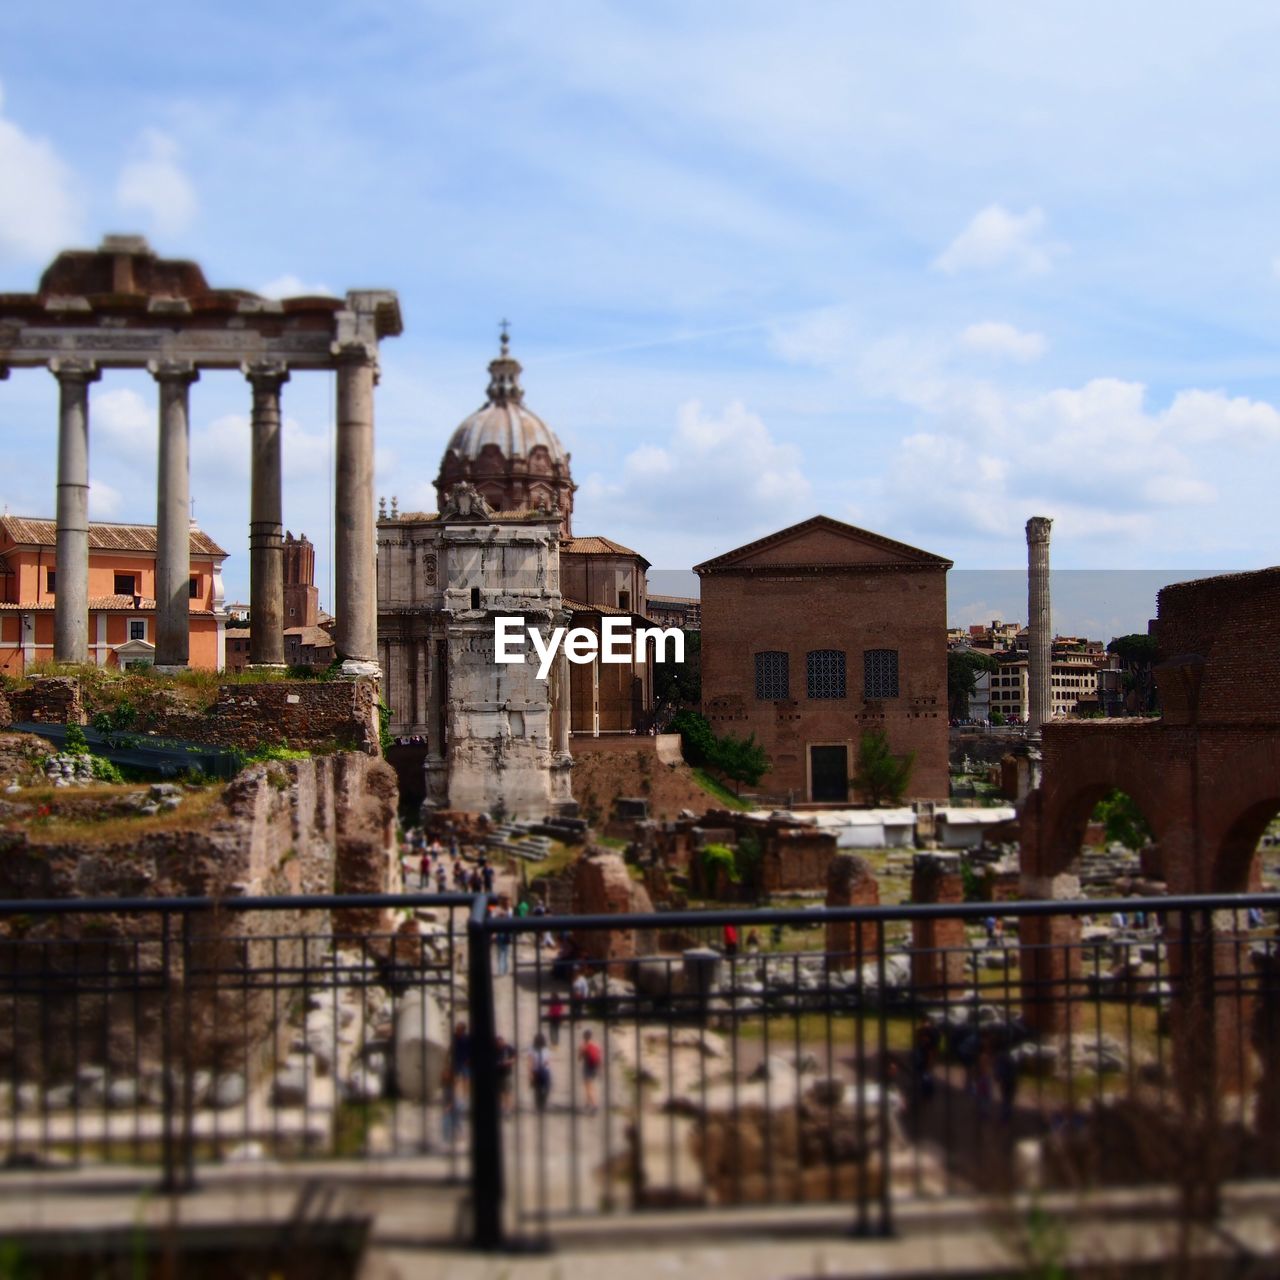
x=869, y=1055
x=181, y=1031
x=569, y=1067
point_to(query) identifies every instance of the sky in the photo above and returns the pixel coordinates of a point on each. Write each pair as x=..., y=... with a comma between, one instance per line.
x=929, y=269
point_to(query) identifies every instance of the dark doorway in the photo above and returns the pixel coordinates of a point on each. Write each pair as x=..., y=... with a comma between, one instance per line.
x=829, y=774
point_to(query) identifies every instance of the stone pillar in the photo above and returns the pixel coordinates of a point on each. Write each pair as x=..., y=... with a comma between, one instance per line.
x=1049, y=958
x=851, y=883
x=564, y=710
x=939, y=947
x=71, y=594
x=266, y=521
x=355, y=547
x=173, y=514
x=1039, y=626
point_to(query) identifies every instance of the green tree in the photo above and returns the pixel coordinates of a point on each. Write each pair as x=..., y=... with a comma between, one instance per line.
x=963, y=668
x=741, y=760
x=881, y=777
x=1122, y=820
x=697, y=741
x=1137, y=654
x=678, y=685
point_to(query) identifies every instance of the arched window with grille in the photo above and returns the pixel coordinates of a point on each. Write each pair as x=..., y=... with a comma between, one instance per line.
x=773, y=676
x=879, y=673
x=825, y=673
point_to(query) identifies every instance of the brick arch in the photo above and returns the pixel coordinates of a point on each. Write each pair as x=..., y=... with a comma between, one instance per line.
x=1235, y=810
x=1076, y=779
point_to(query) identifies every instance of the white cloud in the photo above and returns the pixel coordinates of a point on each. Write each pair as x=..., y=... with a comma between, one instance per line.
x=291, y=286
x=997, y=238
x=155, y=185
x=105, y=501
x=123, y=420
x=1209, y=416
x=994, y=338
x=718, y=472
x=39, y=210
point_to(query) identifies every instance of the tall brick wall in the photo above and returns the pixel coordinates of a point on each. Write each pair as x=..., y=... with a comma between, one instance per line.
x=849, y=609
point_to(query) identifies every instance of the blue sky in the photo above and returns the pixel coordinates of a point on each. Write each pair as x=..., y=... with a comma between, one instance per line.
x=926, y=268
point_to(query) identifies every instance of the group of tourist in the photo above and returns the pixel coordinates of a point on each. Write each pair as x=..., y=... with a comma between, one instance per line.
x=540, y=1064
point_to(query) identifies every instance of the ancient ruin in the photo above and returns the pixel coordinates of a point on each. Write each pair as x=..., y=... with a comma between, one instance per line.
x=122, y=307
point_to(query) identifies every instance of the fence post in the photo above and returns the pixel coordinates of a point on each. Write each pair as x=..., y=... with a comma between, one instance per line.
x=486, y=1123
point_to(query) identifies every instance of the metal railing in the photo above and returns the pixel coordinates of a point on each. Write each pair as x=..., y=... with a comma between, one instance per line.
x=174, y=1032
x=938, y=1049
x=856, y=1057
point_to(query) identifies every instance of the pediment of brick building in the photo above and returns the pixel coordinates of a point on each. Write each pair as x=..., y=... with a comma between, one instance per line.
x=826, y=542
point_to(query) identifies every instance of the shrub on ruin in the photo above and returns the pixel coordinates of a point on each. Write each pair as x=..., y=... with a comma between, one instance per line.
x=882, y=778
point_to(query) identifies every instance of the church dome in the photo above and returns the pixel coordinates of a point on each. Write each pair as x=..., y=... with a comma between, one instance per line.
x=507, y=451
x=503, y=421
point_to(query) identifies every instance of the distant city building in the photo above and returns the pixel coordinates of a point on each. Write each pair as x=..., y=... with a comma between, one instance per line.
x=684, y=612
x=818, y=633
x=122, y=583
x=308, y=634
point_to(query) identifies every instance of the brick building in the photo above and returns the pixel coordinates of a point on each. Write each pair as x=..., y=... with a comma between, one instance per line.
x=817, y=633
x=122, y=585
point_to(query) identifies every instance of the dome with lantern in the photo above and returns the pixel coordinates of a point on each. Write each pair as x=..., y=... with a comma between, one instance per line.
x=507, y=452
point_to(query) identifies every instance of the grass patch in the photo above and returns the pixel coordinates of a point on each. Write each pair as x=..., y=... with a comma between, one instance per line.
x=560, y=856
x=718, y=790
x=191, y=815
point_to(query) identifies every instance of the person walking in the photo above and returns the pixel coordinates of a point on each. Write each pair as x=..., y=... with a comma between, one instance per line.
x=503, y=942
x=540, y=1071
x=555, y=1017
x=591, y=1058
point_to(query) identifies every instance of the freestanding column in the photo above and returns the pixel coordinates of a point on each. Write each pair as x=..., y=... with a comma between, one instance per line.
x=1039, y=625
x=355, y=549
x=173, y=515
x=71, y=594
x=266, y=521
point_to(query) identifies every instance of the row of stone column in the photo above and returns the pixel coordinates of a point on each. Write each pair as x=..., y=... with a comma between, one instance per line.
x=354, y=542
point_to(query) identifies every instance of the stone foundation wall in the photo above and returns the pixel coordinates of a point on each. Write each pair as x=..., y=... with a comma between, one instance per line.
x=308, y=715
x=851, y=883
x=797, y=858
x=307, y=826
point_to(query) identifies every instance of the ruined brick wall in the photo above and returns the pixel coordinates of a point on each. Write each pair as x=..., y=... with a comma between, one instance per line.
x=938, y=956
x=49, y=700
x=308, y=715
x=797, y=858
x=602, y=885
x=843, y=609
x=286, y=827
x=851, y=883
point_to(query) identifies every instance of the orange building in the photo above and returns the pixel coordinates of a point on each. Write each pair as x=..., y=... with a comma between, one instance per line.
x=122, y=584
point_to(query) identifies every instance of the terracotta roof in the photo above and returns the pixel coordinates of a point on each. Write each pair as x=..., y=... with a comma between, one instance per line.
x=316, y=637
x=593, y=546
x=34, y=532
x=576, y=606
x=98, y=604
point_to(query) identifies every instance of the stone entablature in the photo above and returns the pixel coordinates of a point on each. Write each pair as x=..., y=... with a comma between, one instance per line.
x=497, y=737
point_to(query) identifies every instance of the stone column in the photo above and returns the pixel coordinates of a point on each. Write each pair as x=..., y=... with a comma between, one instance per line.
x=1039, y=625
x=564, y=708
x=173, y=514
x=266, y=522
x=71, y=596
x=355, y=548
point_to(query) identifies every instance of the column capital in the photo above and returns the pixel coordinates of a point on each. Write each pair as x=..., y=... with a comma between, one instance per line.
x=183, y=371
x=355, y=352
x=265, y=375
x=70, y=369
x=1038, y=529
